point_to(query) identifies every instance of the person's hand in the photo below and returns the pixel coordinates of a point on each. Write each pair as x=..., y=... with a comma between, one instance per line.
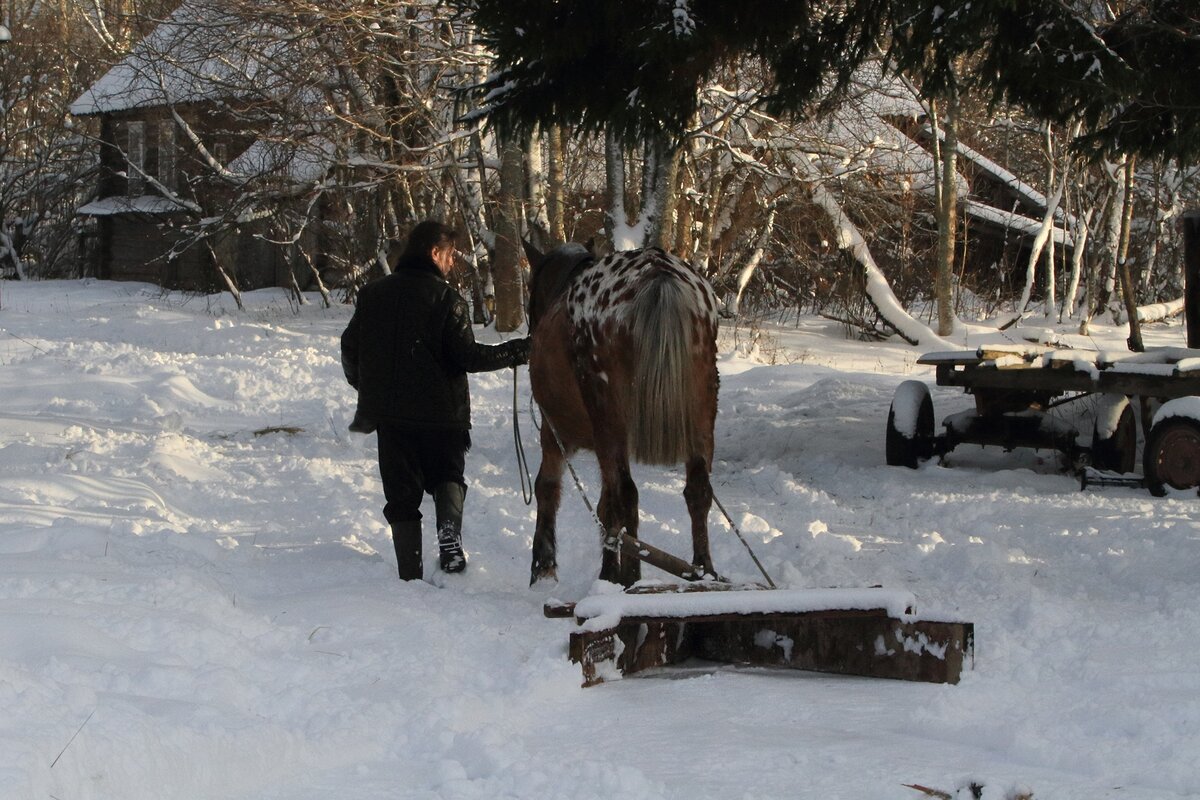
x=520, y=351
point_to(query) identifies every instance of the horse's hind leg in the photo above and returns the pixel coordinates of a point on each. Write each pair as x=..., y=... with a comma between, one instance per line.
x=698, y=495
x=618, y=514
x=547, y=487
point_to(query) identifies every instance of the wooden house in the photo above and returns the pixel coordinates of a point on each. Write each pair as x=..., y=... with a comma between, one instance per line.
x=184, y=124
x=1002, y=214
x=884, y=132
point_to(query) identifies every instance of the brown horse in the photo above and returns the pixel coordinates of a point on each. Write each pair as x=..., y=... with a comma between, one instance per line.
x=623, y=363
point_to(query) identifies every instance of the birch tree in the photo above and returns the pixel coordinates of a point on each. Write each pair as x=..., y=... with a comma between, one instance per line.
x=45, y=163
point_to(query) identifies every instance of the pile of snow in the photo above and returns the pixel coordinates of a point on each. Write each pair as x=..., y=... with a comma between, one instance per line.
x=198, y=596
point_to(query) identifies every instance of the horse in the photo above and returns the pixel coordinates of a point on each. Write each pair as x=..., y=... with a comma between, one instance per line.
x=622, y=363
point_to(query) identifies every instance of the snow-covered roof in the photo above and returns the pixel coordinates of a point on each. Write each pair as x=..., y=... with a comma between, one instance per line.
x=200, y=52
x=142, y=204
x=887, y=95
x=1015, y=222
x=858, y=136
x=1032, y=196
x=302, y=162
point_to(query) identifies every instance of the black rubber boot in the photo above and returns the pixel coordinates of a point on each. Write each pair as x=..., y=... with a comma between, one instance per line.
x=448, y=500
x=406, y=538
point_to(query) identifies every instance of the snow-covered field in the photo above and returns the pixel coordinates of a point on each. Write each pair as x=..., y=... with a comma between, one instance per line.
x=198, y=596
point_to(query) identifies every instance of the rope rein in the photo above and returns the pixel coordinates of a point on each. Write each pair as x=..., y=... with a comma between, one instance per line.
x=749, y=550
x=609, y=542
x=522, y=461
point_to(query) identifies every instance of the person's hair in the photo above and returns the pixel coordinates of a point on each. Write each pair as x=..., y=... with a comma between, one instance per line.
x=428, y=235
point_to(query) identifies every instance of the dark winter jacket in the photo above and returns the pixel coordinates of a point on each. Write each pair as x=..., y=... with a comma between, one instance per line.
x=408, y=349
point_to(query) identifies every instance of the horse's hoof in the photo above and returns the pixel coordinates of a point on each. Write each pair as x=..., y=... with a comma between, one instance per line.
x=543, y=577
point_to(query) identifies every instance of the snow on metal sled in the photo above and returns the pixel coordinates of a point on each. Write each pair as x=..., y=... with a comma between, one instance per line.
x=867, y=632
x=1015, y=386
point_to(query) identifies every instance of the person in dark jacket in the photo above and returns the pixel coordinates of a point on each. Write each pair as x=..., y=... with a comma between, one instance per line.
x=407, y=350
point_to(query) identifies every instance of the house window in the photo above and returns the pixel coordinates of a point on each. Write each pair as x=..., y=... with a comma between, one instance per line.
x=135, y=156
x=166, y=155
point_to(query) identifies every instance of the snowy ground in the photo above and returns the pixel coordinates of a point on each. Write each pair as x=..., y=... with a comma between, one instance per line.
x=189, y=609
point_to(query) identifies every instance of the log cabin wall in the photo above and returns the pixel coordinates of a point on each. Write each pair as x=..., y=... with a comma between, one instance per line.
x=160, y=247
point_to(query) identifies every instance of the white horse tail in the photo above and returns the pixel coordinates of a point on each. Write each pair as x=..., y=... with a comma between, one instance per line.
x=663, y=316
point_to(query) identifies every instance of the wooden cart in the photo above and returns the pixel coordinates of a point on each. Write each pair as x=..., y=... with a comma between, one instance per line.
x=1015, y=386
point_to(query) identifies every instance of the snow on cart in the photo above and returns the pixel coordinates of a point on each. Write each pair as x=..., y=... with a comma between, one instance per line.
x=1016, y=386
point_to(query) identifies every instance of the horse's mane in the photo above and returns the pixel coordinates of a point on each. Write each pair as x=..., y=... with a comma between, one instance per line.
x=551, y=276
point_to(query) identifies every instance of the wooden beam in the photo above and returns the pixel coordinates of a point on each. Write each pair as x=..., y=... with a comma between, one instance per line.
x=866, y=643
x=636, y=548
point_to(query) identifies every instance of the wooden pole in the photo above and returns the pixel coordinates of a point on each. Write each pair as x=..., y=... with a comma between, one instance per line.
x=1191, y=276
x=638, y=549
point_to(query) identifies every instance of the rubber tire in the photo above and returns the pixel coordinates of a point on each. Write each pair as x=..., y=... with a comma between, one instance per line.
x=903, y=451
x=1117, y=453
x=1172, y=453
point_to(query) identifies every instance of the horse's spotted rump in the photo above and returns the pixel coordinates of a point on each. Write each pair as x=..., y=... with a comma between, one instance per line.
x=601, y=295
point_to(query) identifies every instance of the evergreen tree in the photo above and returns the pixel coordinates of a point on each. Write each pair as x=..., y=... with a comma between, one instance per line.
x=1124, y=79
x=633, y=67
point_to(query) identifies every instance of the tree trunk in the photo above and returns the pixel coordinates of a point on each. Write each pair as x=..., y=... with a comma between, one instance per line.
x=1051, y=298
x=878, y=291
x=507, y=265
x=661, y=201
x=717, y=179
x=226, y=278
x=760, y=246
x=685, y=244
x=1128, y=289
x=947, y=216
x=1114, y=210
x=616, y=216
x=1039, y=244
x=556, y=139
x=537, y=212
x=1081, y=238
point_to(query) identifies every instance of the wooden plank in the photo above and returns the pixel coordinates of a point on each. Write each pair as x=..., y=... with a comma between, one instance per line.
x=628, y=648
x=993, y=352
x=836, y=642
x=1041, y=380
x=933, y=652
x=558, y=609
x=778, y=617
x=1187, y=365
x=696, y=586
x=1162, y=386
x=962, y=357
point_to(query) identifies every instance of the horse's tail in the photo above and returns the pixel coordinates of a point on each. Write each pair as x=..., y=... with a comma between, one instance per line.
x=662, y=321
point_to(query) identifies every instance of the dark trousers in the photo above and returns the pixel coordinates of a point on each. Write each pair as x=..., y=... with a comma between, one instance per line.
x=415, y=461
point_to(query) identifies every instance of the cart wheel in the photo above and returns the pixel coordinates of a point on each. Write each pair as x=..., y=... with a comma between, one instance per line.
x=1172, y=456
x=910, y=425
x=1117, y=451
